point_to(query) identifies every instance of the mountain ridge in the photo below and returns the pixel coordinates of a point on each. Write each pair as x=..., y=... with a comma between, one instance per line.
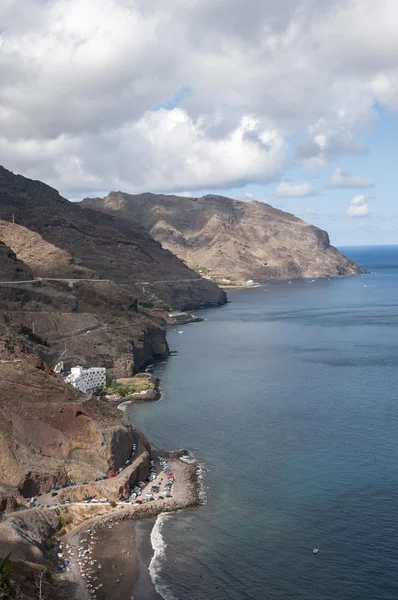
x=108, y=246
x=231, y=239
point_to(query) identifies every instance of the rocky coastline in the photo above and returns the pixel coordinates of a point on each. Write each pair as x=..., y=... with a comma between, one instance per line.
x=124, y=392
x=81, y=541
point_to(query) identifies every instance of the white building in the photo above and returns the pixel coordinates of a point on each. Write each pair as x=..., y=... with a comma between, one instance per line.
x=87, y=381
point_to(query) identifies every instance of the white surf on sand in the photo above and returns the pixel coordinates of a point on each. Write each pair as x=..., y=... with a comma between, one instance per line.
x=159, y=555
x=157, y=540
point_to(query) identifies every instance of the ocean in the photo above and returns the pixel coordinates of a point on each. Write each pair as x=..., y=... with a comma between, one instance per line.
x=288, y=395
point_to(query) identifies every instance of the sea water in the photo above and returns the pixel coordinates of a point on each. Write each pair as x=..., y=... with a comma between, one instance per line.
x=289, y=396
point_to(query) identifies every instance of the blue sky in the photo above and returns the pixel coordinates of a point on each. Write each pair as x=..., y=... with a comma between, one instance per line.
x=379, y=165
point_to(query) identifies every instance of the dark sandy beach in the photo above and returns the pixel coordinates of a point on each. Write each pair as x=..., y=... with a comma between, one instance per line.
x=116, y=566
x=124, y=552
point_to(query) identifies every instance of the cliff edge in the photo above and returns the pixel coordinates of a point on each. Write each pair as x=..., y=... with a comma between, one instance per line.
x=230, y=239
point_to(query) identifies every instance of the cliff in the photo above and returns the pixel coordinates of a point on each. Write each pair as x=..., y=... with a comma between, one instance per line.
x=51, y=434
x=230, y=238
x=11, y=268
x=94, y=270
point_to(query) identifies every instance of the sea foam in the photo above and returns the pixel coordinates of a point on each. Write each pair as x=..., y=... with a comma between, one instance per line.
x=159, y=555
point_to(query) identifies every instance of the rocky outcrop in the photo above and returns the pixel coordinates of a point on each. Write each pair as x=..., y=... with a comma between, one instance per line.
x=11, y=268
x=8, y=501
x=51, y=434
x=89, y=324
x=229, y=239
x=26, y=536
x=117, y=487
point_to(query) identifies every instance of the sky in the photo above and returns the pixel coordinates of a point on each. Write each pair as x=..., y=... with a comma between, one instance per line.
x=293, y=103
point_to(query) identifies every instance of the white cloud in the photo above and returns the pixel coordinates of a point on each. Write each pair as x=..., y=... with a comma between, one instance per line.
x=342, y=179
x=80, y=80
x=358, y=207
x=286, y=189
x=169, y=153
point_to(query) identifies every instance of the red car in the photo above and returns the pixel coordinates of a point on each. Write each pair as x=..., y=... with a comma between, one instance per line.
x=113, y=475
x=138, y=501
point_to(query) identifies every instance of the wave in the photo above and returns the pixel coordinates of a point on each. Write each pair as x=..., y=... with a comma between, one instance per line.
x=159, y=555
x=124, y=405
x=157, y=540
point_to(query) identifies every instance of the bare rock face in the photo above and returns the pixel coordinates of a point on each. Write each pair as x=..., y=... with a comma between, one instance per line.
x=231, y=239
x=8, y=501
x=50, y=434
x=26, y=537
x=12, y=269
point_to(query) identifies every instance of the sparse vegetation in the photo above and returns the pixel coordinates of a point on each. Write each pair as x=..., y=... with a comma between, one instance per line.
x=201, y=270
x=141, y=385
x=64, y=520
x=112, y=503
x=6, y=588
x=145, y=304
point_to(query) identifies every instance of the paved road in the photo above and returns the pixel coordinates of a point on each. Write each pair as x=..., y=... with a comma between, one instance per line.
x=78, y=332
x=71, y=280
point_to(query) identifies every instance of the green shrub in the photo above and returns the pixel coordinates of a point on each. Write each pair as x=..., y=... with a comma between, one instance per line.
x=141, y=385
x=64, y=520
x=113, y=503
x=145, y=304
x=6, y=589
x=166, y=307
x=143, y=375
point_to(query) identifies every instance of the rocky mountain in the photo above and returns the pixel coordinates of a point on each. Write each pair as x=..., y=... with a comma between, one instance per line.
x=90, y=272
x=73, y=286
x=77, y=242
x=230, y=239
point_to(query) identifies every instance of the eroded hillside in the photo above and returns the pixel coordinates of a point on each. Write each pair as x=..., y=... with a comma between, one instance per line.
x=231, y=239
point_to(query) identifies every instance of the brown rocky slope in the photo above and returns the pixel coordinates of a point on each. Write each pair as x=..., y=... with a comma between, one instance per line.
x=49, y=432
x=232, y=239
x=95, y=269
x=81, y=242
